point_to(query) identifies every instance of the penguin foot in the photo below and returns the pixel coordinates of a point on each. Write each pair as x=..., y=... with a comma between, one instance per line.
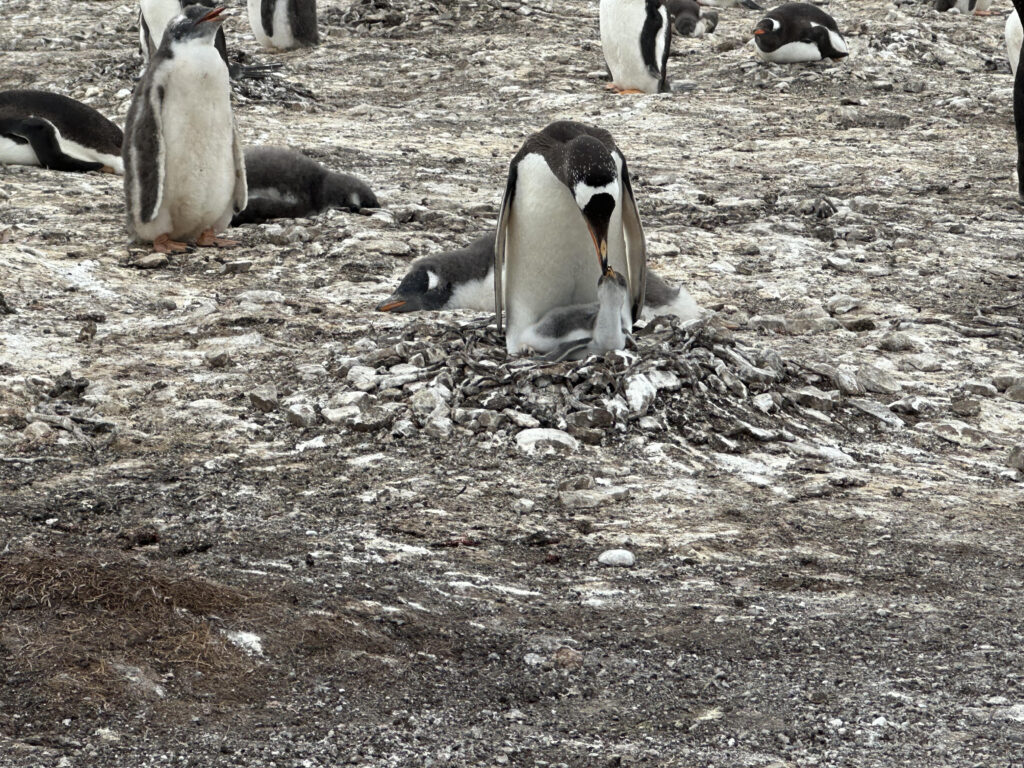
x=624, y=91
x=164, y=244
x=108, y=169
x=208, y=240
x=611, y=87
x=987, y=13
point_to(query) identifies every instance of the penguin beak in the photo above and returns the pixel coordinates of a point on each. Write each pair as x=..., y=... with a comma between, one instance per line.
x=760, y=31
x=214, y=15
x=394, y=304
x=600, y=246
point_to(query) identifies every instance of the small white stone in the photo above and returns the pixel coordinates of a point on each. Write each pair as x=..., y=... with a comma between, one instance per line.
x=620, y=557
x=640, y=393
x=362, y=377
x=543, y=441
x=300, y=414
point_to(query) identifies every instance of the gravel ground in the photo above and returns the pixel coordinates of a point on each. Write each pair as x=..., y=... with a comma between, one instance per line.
x=249, y=521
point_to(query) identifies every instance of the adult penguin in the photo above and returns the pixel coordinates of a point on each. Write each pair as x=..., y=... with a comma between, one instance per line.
x=567, y=215
x=184, y=169
x=979, y=7
x=636, y=37
x=283, y=24
x=797, y=32
x=1018, y=103
x=57, y=132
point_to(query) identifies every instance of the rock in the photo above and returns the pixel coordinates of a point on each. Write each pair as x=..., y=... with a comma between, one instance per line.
x=980, y=388
x=874, y=379
x=858, y=324
x=640, y=393
x=913, y=405
x=774, y=323
x=1005, y=380
x=520, y=419
x=362, y=377
x=439, y=426
x=666, y=380
x=430, y=400
x=877, y=410
x=592, y=498
x=592, y=418
x=812, y=397
x=237, y=267
x=922, y=362
x=622, y=558
x=1016, y=458
x=218, y=358
x=796, y=326
x=300, y=415
x=1015, y=393
x=967, y=406
x=151, y=261
x=568, y=658
x=260, y=297
x=403, y=428
x=264, y=399
x=897, y=341
x=764, y=402
x=544, y=441
x=37, y=430
x=840, y=304
x=343, y=415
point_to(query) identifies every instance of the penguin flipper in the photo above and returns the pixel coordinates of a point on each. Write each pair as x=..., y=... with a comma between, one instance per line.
x=241, y=195
x=42, y=136
x=650, y=39
x=636, y=246
x=500, y=239
x=144, y=169
x=568, y=350
x=267, y=16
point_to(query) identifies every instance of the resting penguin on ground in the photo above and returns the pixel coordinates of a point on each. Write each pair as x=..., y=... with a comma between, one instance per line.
x=464, y=279
x=635, y=38
x=568, y=212
x=797, y=32
x=285, y=184
x=47, y=129
x=184, y=170
x=1014, y=36
x=980, y=7
x=687, y=19
x=284, y=24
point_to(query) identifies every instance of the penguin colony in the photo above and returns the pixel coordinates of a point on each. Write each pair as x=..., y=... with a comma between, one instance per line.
x=565, y=271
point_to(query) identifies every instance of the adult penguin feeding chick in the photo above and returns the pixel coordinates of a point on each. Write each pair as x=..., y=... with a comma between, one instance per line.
x=798, y=32
x=283, y=24
x=636, y=37
x=184, y=169
x=568, y=214
x=57, y=132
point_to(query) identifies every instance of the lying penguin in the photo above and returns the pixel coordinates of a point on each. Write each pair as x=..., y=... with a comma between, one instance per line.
x=797, y=32
x=464, y=279
x=285, y=184
x=687, y=19
x=283, y=24
x=979, y=7
x=58, y=133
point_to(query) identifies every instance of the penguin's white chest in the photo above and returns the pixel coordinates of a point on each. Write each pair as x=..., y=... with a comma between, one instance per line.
x=1014, y=37
x=15, y=153
x=198, y=134
x=282, y=37
x=622, y=22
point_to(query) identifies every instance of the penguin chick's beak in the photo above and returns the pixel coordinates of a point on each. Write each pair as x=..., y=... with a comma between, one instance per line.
x=393, y=304
x=217, y=14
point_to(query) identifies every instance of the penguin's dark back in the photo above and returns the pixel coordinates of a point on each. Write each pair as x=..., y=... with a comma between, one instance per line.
x=75, y=120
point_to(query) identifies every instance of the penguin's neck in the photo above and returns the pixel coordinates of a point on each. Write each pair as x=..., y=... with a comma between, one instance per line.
x=608, y=331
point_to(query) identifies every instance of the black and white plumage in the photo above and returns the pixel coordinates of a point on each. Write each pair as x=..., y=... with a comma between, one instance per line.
x=464, y=279
x=1018, y=94
x=155, y=15
x=284, y=24
x=732, y=3
x=636, y=37
x=1014, y=37
x=688, y=20
x=979, y=7
x=56, y=132
x=797, y=32
x=573, y=333
x=285, y=184
x=567, y=214
x=184, y=169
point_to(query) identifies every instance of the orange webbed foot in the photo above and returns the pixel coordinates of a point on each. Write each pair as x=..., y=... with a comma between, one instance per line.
x=164, y=244
x=209, y=240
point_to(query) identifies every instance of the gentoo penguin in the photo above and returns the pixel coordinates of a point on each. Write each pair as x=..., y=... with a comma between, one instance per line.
x=980, y=7
x=732, y=3
x=1018, y=96
x=687, y=19
x=1014, y=36
x=798, y=32
x=155, y=15
x=568, y=212
x=635, y=38
x=284, y=24
x=573, y=333
x=285, y=184
x=56, y=132
x=464, y=279
x=184, y=169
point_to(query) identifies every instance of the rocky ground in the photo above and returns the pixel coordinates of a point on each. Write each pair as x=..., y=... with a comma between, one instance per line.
x=248, y=521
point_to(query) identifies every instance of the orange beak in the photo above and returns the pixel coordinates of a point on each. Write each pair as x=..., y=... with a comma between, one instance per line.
x=214, y=14
x=760, y=31
x=390, y=305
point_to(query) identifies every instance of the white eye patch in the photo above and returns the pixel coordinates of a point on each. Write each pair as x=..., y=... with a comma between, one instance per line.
x=584, y=192
x=432, y=280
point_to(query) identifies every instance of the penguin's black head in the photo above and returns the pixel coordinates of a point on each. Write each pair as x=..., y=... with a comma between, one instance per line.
x=422, y=288
x=592, y=176
x=766, y=34
x=196, y=22
x=343, y=191
x=685, y=25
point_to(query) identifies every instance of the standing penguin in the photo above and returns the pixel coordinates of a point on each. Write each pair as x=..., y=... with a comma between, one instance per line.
x=687, y=19
x=56, y=132
x=155, y=15
x=980, y=7
x=184, y=169
x=797, y=32
x=567, y=214
x=635, y=38
x=1018, y=97
x=284, y=24
x=1014, y=37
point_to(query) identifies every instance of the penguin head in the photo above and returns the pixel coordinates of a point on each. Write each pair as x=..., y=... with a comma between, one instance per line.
x=343, y=191
x=196, y=22
x=421, y=288
x=593, y=178
x=611, y=283
x=766, y=34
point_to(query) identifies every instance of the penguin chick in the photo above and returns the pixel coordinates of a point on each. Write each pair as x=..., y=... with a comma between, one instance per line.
x=797, y=32
x=980, y=7
x=576, y=332
x=285, y=184
x=636, y=37
x=184, y=169
x=56, y=132
x=687, y=19
x=283, y=24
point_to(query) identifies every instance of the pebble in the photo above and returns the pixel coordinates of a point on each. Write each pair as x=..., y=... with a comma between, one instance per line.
x=897, y=341
x=874, y=379
x=218, y=358
x=622, y=558
x=640, y=393
x=1015, y=459
x=429, y=400
x=913, y=405
x=922, y=362
x=151, y=261
x=300, y=415
x=544, y=441
x=237, y=267
x=1015, y=393
x=877, y=410
x=438, y=426
x=1003, y=380
x=841, y=304
x=260, y=297
x=264, y=399
x=812, y=397
x=980, y=388
x=592, y=498
x=37, y=430
x=362, y=377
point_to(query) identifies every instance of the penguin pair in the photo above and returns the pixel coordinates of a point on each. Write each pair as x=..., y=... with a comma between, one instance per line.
x=285, y=184
x=978, y=7
x=57, y=132
x=464, y=279
x=798, y=32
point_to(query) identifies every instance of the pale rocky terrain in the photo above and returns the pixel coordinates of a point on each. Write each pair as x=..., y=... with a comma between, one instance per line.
x=248, y=521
